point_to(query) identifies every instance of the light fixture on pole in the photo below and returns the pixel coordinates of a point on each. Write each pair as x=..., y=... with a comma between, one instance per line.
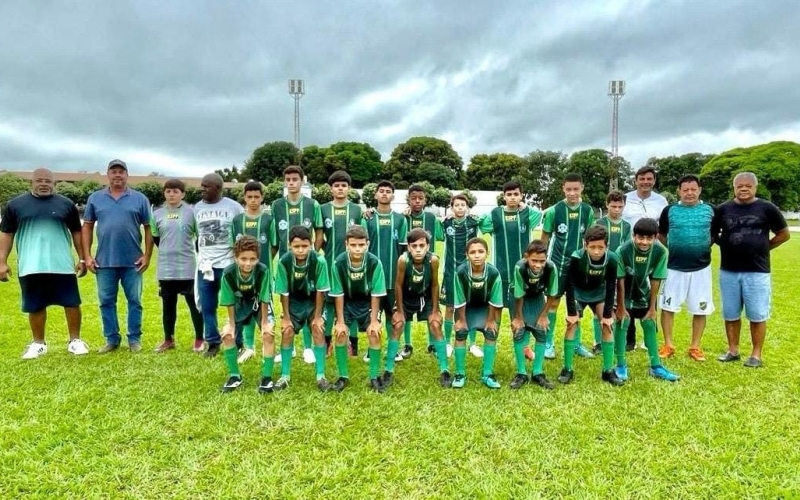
x=297, y=89
x=616, y=90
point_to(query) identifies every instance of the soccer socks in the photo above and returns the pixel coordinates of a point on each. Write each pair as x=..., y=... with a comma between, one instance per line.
x=448, y=331
x=441, y=354
x=489, y=353
x=461, y=359
x=649, y=327
x=519, y=352
x=569, y=354
x=249, y=335
x=307, y=344
x=598, y=331
x=473, y=337
x=608, y=355
x=551, y=330
x=267, y=363
x=431, y=340
x=319, y=353
x=538, y=360
x=578, y=334
x=374, y=362
x=407, y=333
x=341, y=361
x=286, y=361
x=620, y=340
x=391, y=351
x=231, y=362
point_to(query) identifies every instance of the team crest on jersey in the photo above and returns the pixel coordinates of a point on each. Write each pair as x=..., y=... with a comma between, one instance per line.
x=173, y=216
x=574, y=215
x=511, y=218
x=357, y=276
x=250, y=224
x=417, y=278
x=245, y=288
x=263, y=238
x=451, y=231
x=385, y=221
x=299, y=275
x=470, y=230
x=562, y=229
x=307, y=222
x=640, y=260
x=703, y=306
x=283, y=225
x=328, y=223
x=416, y=223
x=352, y=222
x=339, y=211
x=583, y=229
x=533, y=281
x=239, y=237
x=396, y=235
x=477, y=284
x=615, y=229
x=523, y=228
x=595, y=272
x=294, y=210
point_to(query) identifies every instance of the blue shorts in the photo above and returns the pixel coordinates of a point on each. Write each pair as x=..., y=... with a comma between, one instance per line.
x=45, y=289
x=753, y=291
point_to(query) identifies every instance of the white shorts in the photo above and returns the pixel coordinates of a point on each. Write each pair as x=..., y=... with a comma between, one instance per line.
x=693, y=288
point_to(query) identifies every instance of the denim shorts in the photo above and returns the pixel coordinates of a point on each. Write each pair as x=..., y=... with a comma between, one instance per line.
x=751, y=291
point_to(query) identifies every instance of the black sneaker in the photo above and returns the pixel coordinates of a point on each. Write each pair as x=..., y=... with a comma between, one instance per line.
x=266, y=385
x=446, y=380
x=282, y=383
x=211, y=351
x=610, y=376
x=407, y=351
x=542, y=381
x=377, y=385
x=340, y=384
x=431, y=350
x=387, y=379
x=232, y=384
x=323, y=385
x=566, y=376
x=597, y=349
x=519, y=380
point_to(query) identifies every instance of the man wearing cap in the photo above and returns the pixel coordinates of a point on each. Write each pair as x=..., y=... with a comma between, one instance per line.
x=118, y=211
x=46, y=226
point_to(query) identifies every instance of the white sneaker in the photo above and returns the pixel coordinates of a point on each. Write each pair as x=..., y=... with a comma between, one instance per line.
x=308, y=356
x=449, y=349
x=278, y=356
x=246, y=354
x=77, y=347
x=34, y=350
x=476, y=351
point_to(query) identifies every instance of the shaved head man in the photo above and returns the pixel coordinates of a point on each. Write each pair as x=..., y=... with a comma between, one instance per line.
x=45, y=226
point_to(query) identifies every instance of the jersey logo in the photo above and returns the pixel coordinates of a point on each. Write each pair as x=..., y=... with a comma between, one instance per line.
x=396, y=235
x=615, y=229
x=417, y=279
x=169, y=216
x=294, y=211
x=340, y=211
x=416, y=223
x=307, y=222
x=703, y=306
x=451, y=231
x=357, y=276
x=384, y=222
x=562, y=229
x=471, y=230
x=245, y=288
x=283, y=225
x=533, y=281
x=477, y=284
x=328, y=223
x=263, y=238
x=583, y=229
x=251, y=224
x=640, y=259
x=511, y=218
x=596, y=272
x=299, y=275
x=352, y=222
x=574, y=215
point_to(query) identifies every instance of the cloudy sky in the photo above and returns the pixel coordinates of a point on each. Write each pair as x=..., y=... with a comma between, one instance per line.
x=185, y=87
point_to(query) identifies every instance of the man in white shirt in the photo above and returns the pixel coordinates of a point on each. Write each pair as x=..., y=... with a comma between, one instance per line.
x=643, y=201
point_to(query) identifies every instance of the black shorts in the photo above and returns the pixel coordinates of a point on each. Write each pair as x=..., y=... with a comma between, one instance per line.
x=173, y=288
x=584, y=305
x=421, y=306
x=47, y=289
x=387, y=304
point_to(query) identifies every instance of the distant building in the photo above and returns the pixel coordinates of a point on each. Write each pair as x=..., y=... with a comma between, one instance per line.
x=101, y=178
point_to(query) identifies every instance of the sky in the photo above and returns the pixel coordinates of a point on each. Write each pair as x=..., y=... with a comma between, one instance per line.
x=187, y=86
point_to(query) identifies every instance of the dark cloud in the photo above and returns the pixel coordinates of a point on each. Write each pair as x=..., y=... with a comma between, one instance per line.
x=187, y=85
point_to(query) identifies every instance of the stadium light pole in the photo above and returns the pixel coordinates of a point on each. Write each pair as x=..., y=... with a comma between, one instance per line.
x=297, y=89
x=616, y=90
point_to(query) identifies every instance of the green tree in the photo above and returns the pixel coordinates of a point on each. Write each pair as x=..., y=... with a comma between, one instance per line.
x=87, y=188
x=71, y=191
x=354, y=196
x=154, y=191
x=192, y=195
x=313, y=163
x=267, y=162
x=545, y=169
x=776, y=164
x=490, y=172
x=273, y=191
x=671, y=168
x=437, y=175
x=408, y=156
x=236, y=194
x=231, y=174
x=368, y=195
x=322, y=193
x=597, y=167
x=440, y=197
x=471, y=197
x=360, y=160
x=11, y=186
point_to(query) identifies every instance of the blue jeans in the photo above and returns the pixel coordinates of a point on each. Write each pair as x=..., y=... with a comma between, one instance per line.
x=108, y=281
x=208, y=293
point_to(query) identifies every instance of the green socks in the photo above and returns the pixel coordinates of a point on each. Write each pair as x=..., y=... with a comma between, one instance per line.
x=307, y=337
x=231, y=362
x=598, y=331
x=448, y=331
x=538, y=361
x=608, y=355
x=286, y=361
x=461, y=359
x=441, y=354
x=431, y=340
x=649, y=327
x=249, y=335
x=341, y=361
x=319, y=353
x=472, y=337
x=374, y=362
x=578, y=334
x=519, y=352
x=407, y=333
x=551, y=330
x=489, y=353
x=620, y=340
x=267, y=363
x=569, y=354
x=391, y=351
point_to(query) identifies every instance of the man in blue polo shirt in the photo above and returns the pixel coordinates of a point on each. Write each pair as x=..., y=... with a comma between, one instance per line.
x=118, y=211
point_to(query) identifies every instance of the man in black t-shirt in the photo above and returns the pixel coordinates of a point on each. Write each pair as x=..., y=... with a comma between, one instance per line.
x=742, y=227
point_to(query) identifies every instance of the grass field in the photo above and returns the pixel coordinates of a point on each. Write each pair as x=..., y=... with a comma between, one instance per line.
x=156, y=426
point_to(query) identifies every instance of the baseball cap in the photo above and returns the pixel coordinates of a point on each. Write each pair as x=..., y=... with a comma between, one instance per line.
x=117, y=163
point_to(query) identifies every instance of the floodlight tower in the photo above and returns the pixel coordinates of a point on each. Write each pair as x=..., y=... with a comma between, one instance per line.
x=616, y=90
x=296, y=89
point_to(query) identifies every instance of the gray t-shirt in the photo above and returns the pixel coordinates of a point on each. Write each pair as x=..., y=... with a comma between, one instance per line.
x=176, y=230
x=214, y=222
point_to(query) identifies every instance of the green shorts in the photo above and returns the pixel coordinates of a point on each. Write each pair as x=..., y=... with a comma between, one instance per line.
x=531, y=309
x=446, y=295
x=476, y=317
x=301, y=312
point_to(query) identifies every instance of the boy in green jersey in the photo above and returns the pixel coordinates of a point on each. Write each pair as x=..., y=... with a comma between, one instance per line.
x=458, y=229
x=245, y=291
x=302, y=281
x=338, y=215
x=592, y=282
x=535, y=287
x=358, y=285
x=563, y=228
x=387, y=232
x=417, y=217
x=644, y=261
x=478, y=304
x=417, y=292
x=619, y=232
x=260, y=225
x=511, y=226
x=291, y=210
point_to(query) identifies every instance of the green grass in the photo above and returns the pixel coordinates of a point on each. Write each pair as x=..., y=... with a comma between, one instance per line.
x=156, y=426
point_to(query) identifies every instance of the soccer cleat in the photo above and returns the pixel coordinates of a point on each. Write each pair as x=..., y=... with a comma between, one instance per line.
x=540, y=380
x=666, y=351
x=398, y=357
x=34, y=350
x=107, y=348
x=490, y=381
x=583, y=352
x=211, y=351
x=323, y=385
x=446, y=380
x=449, y=350
x=431, y=350
x=165, y=346
x=728, y=357
x=232, y=384
x=622, y=372
x=476, y=351
x=340, y=384
x=529, y=355
x=407, y=351
x=245, y=354
x=387, y=379
x=518, y=381
x=696, y=354
x=597, y=350
x=377, y=385
x=459, y=382
x=610, y=376
x=662, y=373
x=198, y=346
x=77, y=347
x=308, y=356
x=266, y=386
x=135, y=347
x=566, y=376
x=753, y=363
x=550, y=352
x=281, y=384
